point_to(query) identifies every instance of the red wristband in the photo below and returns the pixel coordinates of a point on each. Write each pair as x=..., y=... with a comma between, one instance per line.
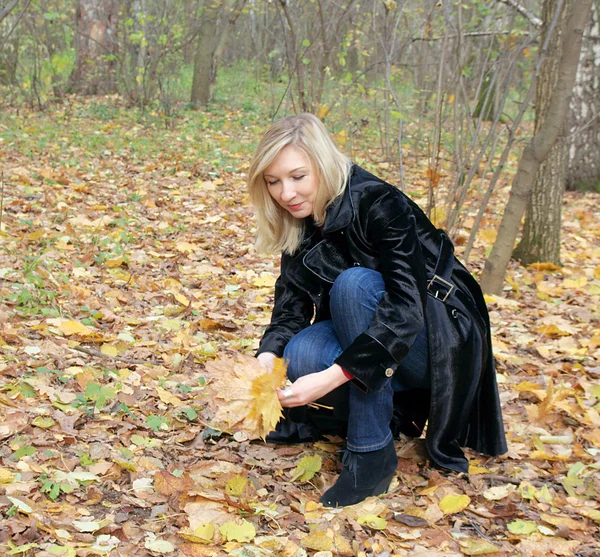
x=348, y=375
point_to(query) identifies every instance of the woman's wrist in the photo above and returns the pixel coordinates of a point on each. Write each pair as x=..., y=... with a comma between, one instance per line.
x=337, y=375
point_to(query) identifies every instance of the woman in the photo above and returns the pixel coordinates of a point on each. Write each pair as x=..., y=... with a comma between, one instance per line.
x=373, y=313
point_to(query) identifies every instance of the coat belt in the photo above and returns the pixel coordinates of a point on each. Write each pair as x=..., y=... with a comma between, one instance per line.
x=439, y=285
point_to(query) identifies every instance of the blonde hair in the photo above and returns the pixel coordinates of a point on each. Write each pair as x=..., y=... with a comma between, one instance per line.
x=278, y=230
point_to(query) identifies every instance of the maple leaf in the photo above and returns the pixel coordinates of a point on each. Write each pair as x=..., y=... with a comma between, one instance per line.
x=244, y=395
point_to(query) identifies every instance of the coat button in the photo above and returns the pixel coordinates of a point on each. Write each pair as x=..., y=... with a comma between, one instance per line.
x=356, y=264
x=389, y=372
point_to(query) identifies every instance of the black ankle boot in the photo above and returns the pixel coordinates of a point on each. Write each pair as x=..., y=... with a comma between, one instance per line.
x=364, y=475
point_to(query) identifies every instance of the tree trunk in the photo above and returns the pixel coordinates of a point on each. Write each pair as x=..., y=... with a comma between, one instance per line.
x=205, y=50
x=541, y=232
x=96, y=47
x=583, y=170
x=538, y=148
x=9, y=53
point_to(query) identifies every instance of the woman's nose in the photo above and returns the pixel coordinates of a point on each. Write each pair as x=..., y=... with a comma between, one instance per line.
x=288, y=192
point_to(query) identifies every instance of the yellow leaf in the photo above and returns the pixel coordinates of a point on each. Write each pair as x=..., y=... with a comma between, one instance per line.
x=61, y=551
x=243, y=532
x=322, y=111
x=451, y=98
x=109, y=350
x=318, y=541
x=244, y=395
x=181, y=299
x=204, y=533
x=575, y=283
x=590, y=513
x=477, y=547
x=6, y=476
x=342, y=137
x=185, y=247
x=452, y=504
x=265, y=280
x=476, y=469
x=236, y=485
x=551, y=330
x=597, y=272
x=43, y=422
x=115, y=262
x=69, y=328
x=372, y=521
x=307, y=468
x=564, y=522
x=488, y=235
x=168, y=398
x=35, y=235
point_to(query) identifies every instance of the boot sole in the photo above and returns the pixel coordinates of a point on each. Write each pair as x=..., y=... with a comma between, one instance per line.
x=379, y=489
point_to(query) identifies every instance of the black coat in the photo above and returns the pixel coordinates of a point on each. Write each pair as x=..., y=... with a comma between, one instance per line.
x=376, y=226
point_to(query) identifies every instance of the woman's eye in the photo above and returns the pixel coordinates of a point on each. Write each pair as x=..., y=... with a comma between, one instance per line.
x=299, y=177
x=271, y=182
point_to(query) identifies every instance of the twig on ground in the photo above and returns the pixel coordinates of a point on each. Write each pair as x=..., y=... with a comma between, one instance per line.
x=506, y=479
x=97, y=354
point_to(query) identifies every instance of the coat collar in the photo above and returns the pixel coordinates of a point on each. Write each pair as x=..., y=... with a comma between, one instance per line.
x=341, y=211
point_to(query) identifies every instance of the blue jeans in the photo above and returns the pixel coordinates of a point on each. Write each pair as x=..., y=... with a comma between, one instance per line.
x=353, y=301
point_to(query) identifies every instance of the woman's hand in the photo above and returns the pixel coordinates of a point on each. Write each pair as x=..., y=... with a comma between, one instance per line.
x=267, y=360
x=312, y=387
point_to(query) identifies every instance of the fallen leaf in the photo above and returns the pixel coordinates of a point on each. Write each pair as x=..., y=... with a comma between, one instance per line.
x=244, y=394
x=521, y=527
x=452, y=504
x=499, y=492
x=477, y=547
x=372, y=521
x=232, y=531
x=307, y=467
x=236, y=485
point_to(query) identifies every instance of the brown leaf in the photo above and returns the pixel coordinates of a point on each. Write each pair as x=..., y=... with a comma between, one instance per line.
x=166, y=483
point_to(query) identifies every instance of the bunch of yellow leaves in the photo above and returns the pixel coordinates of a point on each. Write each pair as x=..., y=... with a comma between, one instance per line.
x=243, y=394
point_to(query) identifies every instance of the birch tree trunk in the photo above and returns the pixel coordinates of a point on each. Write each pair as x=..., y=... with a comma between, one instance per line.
x=96, y=46
x=539, y=147
x=583, y=170
x=541, y=231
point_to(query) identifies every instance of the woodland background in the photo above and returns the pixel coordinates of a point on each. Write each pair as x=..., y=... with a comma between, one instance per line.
x=127, y=262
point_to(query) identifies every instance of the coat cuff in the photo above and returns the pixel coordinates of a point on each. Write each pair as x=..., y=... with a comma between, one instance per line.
x=369, y=362
x=273, y=343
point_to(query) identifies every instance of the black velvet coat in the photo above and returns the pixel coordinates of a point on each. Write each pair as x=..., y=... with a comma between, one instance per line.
x=376, y=226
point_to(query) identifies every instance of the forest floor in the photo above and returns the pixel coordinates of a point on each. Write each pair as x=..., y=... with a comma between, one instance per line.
x=127, y=262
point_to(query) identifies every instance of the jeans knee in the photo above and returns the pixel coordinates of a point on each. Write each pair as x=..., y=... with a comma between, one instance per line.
x=291, y=356
x=355, y=284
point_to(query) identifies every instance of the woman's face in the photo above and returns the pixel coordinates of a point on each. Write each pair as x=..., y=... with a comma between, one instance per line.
x=292, y=181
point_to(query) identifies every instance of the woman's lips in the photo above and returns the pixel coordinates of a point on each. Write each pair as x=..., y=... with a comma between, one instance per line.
x=295, y=207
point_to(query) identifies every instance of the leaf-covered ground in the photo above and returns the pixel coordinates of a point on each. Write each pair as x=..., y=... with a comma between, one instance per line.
x=127, y=262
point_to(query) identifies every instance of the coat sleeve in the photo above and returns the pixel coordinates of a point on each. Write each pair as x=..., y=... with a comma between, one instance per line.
x=293, y=310
x=390, y=229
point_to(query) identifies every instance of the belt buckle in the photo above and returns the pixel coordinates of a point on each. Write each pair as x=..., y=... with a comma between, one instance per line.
x=439, y=279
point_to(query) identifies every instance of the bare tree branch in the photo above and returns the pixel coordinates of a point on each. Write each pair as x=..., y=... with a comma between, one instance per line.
x=471, y=34
x=7, y=9
x=514, y=4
